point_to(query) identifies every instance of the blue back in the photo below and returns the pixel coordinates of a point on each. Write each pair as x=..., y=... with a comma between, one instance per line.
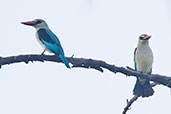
x=135, y=65
x=50, y=40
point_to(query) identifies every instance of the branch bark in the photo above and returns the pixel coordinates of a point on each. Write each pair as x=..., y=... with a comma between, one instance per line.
x=129, y=103
x=98, y=65
x=89, y=64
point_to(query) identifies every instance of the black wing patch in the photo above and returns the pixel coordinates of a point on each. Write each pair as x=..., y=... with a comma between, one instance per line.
x=43, y=35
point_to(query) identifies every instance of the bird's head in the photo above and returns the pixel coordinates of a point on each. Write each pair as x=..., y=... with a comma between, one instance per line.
x=143, y=38
x=37, y=23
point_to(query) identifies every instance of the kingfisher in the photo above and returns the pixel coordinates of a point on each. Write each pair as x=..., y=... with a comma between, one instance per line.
x=47, y=39
x=143, y=60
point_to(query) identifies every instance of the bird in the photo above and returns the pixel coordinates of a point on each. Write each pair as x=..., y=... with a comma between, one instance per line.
x=143, y=60
x=47, y=39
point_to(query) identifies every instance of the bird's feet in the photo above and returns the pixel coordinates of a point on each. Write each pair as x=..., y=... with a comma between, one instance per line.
x=43, y=52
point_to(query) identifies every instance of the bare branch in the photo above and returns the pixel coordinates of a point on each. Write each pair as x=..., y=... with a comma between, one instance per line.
x=91, y=64
x=129, y=103
x=87, y=63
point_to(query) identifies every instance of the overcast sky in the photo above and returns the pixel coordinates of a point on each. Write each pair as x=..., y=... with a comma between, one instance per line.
x=99, y=29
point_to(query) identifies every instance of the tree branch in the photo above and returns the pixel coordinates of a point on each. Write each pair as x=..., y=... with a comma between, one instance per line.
x=129, y=103
x=91, y=64
x=87, y=63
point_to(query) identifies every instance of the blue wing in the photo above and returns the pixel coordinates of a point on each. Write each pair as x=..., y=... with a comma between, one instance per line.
x=53, y=36
x=135, y=65
x=43, y=35
x=50, y=40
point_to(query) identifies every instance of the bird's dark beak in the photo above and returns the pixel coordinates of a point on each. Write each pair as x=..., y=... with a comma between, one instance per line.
x=147, y=37
x=31, y=23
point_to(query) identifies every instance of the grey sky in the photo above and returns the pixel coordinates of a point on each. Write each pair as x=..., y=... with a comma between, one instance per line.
x=98, y=29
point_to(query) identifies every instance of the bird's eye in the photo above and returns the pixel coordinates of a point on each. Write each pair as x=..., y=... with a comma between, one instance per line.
x=38, y=22
x=141, y=38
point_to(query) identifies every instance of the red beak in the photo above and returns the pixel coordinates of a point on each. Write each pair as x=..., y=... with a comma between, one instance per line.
x=147, y=37
x=31, y=23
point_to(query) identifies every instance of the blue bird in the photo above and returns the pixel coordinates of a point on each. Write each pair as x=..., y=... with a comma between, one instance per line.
x=47, y=39
x=143, y=60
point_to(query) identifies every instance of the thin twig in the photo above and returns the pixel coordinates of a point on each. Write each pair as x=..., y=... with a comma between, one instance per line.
x=129, y=103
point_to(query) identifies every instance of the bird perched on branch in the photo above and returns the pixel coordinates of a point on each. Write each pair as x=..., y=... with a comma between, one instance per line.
x=143, y=60
x=47, y=39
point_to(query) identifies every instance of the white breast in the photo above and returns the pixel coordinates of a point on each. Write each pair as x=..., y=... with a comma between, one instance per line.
x=144, y=58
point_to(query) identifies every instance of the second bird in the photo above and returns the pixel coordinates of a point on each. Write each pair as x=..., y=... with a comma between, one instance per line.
x=143, y=59
x=47, y=38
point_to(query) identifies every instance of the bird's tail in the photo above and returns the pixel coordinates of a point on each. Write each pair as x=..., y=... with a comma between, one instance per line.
x=64, y=60
x=144, y=90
